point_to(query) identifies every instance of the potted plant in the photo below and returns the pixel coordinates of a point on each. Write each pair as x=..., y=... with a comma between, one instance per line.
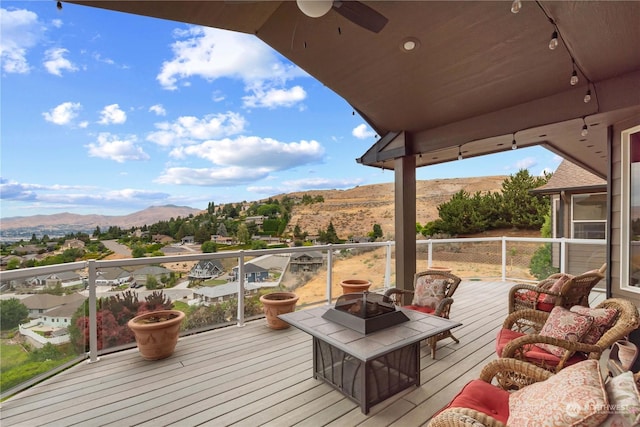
x=276, y=303
x=157, y=332
x=355, y=285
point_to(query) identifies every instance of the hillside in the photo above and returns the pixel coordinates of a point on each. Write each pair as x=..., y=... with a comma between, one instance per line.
x=69, y=222
x=353, y=212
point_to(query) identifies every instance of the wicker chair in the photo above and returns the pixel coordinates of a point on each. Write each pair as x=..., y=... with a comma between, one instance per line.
x=441, y=309
x=498, y=375
x=512, y=341
x=574, y=291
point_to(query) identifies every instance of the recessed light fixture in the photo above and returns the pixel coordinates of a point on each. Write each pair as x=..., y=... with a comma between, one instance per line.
x=409, y=44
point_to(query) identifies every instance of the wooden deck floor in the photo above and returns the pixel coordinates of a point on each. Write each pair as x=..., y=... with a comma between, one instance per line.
x=252, y=376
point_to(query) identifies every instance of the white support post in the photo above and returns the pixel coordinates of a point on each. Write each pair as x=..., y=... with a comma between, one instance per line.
x=387, y=272
x=329, y=273
x=429, y=253
x=504, y=259
x=241, y=289
x=93, y=313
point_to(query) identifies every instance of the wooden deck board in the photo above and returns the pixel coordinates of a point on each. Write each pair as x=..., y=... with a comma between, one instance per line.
x=252, y=375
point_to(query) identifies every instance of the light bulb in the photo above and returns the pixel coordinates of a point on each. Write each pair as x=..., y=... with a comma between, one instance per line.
x=459, y=154
x=59, y=5
x=514, y=146
x=553, y=43
x=574, y=78
x=587, y=96
x=516, y=6
x=315, y=8
x=585, y=130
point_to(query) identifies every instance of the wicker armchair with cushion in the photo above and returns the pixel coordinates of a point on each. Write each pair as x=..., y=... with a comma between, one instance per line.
x=557, y=290
x=432, y=294
x=576, y=396
x=564, y=337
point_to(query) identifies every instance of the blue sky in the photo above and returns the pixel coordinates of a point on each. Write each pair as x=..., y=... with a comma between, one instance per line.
x=109, y=113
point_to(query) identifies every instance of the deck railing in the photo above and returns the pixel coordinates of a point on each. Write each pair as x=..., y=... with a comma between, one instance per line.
x=503, y=258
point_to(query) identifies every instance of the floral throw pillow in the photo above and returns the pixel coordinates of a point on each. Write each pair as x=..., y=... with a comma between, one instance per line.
x=557, y=285
x=428, y=292
x=575, y=396
x=566, y=325
x=602, y=320
x=624, y=401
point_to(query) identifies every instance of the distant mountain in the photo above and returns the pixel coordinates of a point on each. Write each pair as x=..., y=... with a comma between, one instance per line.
x=353, y=212
x=59, y=224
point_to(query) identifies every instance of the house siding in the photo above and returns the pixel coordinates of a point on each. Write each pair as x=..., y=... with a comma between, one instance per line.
x=615, y=207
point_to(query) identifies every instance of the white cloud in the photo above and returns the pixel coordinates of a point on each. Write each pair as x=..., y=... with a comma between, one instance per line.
x=55, y=61
x=306, y=184
x=19, y=31
x=211, y=177
x=56, y=23
x=189, y=129
x=362, y=132
x=63, y=114
x=255, y=152
x=111, y=147
x=212, y=53
x=272, y=98
x=158, y=109
x=526, y=163
x=112, y=114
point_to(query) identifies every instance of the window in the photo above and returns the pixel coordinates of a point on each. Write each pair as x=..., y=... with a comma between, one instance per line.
x=589, y=216
x=630, y=209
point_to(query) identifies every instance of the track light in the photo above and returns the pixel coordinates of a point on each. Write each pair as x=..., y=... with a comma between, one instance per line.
x=553, y=43
x=459, y=152
x=516, y=6
x=587, y=96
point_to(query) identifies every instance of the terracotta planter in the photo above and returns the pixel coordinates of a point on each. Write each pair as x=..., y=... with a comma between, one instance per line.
x=157, y=332
x=354, y=285
x=277, y=303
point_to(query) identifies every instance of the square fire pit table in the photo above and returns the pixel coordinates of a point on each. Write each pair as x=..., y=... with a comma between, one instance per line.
x=368, y=368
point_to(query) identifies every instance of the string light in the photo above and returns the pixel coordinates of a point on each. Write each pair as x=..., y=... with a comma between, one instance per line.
x=516, y=6
x=59, y=5
x=587, y=96
x=514, y=145
x=553, y=43
x=574, y=76
x=459, y=152
x=585, y=129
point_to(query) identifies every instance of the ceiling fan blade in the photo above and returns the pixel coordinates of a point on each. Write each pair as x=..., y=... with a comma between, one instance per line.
x=361, y=14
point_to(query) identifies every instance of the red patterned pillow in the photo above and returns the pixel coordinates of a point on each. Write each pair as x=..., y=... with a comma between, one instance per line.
x=557, y=285
x=565, y=325
x=602, y=320
x=428, y=292
x=575, y=396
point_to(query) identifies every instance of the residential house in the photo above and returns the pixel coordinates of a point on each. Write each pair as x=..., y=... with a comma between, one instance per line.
x=60, y=316
x=206, y=269
x=578, y=211
x=306, y=261
x=40, y=304
x=73, y=244
x=141, y=274
x=64, y=278
x=220, y=293
x=252, y=273
x=113, y=276
x=187, y=240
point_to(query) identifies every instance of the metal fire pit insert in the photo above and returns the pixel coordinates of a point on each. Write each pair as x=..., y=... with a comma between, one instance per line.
x=365, y=312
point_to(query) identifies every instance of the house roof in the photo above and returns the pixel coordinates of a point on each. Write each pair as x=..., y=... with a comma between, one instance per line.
x=46, y=301
x=480, y=76
x=66, y=310
x=571, y=177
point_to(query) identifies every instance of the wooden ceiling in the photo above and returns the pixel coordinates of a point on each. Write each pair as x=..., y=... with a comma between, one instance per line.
x=479, y=77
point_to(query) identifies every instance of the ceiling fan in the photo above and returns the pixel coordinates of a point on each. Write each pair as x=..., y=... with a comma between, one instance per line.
x=355, y=11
